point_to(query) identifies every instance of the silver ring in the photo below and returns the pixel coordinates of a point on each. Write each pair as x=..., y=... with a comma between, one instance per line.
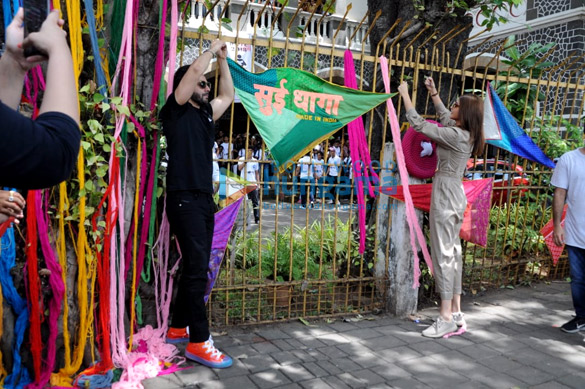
x=11, y=196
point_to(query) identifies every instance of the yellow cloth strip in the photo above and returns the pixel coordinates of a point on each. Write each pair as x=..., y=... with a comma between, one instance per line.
x=63, y=377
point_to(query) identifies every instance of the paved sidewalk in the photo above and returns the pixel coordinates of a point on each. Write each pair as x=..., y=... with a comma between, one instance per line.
x=513, y=341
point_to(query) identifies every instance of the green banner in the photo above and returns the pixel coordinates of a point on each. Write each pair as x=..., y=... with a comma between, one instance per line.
x=293, y=109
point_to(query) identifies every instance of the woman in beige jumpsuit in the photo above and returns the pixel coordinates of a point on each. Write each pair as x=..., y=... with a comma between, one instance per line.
x=461, y=136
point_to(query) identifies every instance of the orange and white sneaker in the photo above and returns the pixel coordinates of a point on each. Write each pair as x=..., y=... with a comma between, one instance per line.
x=178, y=335
x=206, y=354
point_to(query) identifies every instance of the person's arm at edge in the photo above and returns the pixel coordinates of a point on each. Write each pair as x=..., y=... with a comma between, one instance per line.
x=225, y=94
x=559, y=197
x=11, y=79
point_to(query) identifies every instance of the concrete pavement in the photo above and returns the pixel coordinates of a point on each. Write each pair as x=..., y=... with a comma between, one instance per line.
x=513, y=341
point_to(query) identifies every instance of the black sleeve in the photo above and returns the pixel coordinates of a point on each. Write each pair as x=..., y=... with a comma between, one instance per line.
x=36, y=154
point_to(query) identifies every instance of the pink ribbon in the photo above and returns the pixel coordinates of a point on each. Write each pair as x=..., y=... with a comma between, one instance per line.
x=414, y=227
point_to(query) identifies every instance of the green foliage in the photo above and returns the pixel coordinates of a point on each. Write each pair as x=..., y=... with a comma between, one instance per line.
x=489, y=10
x=97, y=126
x=321, y=243
x=510, y=239
x=523, y=65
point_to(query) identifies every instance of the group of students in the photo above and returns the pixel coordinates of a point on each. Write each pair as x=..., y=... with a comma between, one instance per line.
x=320, y=179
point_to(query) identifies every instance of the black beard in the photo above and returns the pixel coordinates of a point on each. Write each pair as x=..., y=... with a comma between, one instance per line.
x=198, y=98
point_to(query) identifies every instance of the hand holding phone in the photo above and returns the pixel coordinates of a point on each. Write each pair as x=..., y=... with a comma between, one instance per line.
x=35, y=13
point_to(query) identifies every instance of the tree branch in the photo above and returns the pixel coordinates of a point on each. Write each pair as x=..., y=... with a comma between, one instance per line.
x=410, y=31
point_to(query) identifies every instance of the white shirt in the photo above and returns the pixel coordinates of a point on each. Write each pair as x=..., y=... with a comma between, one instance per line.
x=333, y=163
x=337, y=150
x=306, y=167
x=248, y=173
x=318, y=167
x=215, y=174
x=227, y=149
x=258, y=154
x=347, y=163
x=569, y=174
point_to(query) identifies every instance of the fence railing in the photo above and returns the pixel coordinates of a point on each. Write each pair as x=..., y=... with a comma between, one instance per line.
x=248, y=19
x=303, y=262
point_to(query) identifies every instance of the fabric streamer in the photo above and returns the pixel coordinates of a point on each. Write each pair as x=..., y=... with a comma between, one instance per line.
x=502, y=130
x=477, y=213
x=415, y=230
x=19, y=377
x=33, y=288
x=56, y=285
x=358, y=148
x=547, y=231
x=224, y=223
x=97, y=59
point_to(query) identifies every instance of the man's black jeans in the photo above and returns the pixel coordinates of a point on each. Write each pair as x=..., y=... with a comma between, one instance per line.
x=191, y=217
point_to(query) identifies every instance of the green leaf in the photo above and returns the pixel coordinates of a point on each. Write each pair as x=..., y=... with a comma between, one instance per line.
x=86, y=145
x=116, y=100
x=123, y=109
x=98, y=98
x=94, y=125
x=99, y=138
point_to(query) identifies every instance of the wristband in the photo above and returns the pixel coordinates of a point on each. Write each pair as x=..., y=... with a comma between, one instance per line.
x=212, y=53
x=434, y=94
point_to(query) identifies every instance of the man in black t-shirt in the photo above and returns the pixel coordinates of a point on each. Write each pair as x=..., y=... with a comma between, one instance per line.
x=188, y=123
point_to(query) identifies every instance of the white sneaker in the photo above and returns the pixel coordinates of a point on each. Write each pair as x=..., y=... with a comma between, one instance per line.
x=459, y=318
x=439, y=328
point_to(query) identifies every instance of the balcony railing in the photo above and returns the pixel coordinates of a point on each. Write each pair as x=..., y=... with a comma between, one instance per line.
x=316, y=27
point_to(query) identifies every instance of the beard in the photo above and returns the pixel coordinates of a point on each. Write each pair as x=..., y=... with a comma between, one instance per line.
x=200, y=98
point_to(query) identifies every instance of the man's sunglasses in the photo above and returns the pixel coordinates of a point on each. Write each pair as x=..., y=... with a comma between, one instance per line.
x=204, y=84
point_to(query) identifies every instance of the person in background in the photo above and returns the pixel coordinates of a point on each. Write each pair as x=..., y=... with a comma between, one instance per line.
x=333, y=167
x=250, y=171
x=215, y=174
x=227, y=148
x=569, y=182
x=347, y=173
x=337, y=147
x=305, y=173
x=188, y=121
x=317, y=174
x=461, y=136
x=40, y=153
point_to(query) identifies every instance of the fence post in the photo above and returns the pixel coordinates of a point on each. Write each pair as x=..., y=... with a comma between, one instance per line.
x=394, y=257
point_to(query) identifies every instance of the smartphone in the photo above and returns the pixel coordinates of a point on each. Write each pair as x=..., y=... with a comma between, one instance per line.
x=35, y=13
